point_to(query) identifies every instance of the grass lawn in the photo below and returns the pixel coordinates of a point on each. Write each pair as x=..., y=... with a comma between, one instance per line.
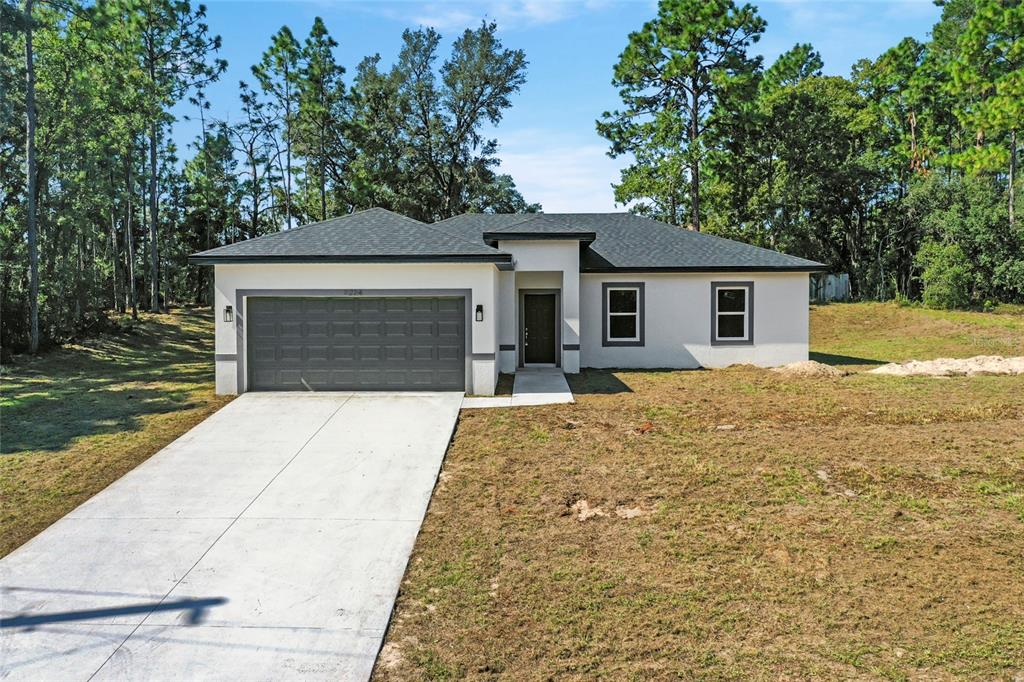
x=749, y=526
x=76, y=419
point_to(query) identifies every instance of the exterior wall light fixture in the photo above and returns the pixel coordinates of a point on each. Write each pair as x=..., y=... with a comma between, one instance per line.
x=229, y=314
x=479, y=313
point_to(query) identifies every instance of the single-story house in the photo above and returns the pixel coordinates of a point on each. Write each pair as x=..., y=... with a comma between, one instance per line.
x=378, y=301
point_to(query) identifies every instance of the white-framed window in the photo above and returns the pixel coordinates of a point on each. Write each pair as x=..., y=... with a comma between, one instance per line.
x=623, y=308
x=732, y=308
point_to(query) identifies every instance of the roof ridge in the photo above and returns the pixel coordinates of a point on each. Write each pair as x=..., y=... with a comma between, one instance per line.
x=386, y=210
x=524, y=216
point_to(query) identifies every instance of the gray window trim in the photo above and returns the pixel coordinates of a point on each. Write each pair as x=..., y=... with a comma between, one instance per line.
x=749, y=341
x=241, y=313
x=641, y=313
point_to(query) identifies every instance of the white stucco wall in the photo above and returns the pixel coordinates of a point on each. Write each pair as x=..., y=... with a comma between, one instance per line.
x=481, y=279
x=678, y=321
x=547, y=264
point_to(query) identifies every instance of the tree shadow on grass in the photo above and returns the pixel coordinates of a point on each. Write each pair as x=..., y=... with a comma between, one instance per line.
x=108, y=384
x=831, y=359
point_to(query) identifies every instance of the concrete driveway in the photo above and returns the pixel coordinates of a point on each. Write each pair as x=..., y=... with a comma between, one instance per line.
x=266, y=543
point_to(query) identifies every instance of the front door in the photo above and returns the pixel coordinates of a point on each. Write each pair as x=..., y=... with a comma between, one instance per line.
x=539, y=317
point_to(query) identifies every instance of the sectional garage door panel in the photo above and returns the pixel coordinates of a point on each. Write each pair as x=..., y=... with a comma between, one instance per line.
x=365, y=343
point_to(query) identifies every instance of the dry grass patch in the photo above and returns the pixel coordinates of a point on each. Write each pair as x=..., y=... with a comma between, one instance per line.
x=80, y=417
x=793, y=527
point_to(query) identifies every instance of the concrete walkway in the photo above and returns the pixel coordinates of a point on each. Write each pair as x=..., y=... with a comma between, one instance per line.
x=532, y=386
x=267, y=543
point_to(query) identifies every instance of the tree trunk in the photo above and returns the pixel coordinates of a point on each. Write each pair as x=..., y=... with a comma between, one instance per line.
x=288, y=149
x=154, y=247
x=113, y=258
x=113, y=243
x=30, y=172
x=129, y=241
x=323, y=187
x=255, y=195
x=694, y=161
x=1013, y=174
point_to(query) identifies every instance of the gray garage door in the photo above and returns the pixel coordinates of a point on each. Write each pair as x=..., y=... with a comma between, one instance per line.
x=364, y=344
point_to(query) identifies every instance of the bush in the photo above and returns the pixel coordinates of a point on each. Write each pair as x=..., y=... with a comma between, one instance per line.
x=945, y=273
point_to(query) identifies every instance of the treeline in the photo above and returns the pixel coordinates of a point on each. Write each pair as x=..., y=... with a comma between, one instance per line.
x=904, y=175
x=98, y=207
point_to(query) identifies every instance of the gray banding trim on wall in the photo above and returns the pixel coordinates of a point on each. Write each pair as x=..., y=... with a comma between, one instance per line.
x=605, y=286
x=482, y=356
x=225, y=357
x=570, y=346
x=507, y=346
x=590, y=270
x=749, y=341
x=240, y=312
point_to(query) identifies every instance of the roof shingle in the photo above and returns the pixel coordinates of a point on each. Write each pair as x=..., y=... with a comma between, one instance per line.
x=625, y=241
x=373, y=234
x=617, y=242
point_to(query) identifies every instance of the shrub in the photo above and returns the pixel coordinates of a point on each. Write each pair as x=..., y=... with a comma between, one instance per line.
x=945, y=273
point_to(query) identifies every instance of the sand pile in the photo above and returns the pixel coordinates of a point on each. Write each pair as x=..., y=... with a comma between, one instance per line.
x=954, y=367
x=809, y=368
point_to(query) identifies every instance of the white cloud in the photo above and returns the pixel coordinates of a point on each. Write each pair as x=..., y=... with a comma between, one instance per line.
x=564, y=173
x=509, y=14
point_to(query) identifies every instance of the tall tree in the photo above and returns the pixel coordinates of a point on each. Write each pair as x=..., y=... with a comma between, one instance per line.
x=278, y=74
x=792, y=66
x=323, y=115
x=670, y=76
x=743, y=169
x=177, y=56
x=252, y=138
x=990, y=69
x=422, y=150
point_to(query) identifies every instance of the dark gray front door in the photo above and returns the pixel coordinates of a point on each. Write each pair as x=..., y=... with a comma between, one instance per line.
x=539, y=328
x=364, y=343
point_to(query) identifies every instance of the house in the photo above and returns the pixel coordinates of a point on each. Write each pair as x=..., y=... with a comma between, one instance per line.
x=378, y=301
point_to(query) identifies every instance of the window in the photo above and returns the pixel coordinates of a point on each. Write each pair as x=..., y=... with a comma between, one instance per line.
x=623, y=308
x=732, y=306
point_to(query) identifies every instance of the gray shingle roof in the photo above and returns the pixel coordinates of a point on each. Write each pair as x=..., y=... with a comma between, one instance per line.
x=629, y=242
x=618, y=241
x=372, y=235
x=536, y=223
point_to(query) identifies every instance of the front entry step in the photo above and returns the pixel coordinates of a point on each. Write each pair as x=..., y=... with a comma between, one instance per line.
x=533, y=386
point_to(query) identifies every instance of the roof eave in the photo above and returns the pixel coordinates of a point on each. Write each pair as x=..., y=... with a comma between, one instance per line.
x=200, y=259
x=492, y=238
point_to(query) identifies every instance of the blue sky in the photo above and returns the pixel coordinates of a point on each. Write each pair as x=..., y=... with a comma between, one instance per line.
x=548, y=142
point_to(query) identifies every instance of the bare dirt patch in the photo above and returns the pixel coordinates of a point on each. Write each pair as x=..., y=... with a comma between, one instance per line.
x=955, y=367
x=809, y=368
x=585, y=512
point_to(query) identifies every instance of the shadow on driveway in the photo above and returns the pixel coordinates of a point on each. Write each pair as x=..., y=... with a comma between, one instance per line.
x=196, y=609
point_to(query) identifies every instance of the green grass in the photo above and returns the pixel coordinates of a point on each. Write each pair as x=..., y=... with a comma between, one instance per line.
x=863, y=526
x=861, y=334
x=79, y=417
